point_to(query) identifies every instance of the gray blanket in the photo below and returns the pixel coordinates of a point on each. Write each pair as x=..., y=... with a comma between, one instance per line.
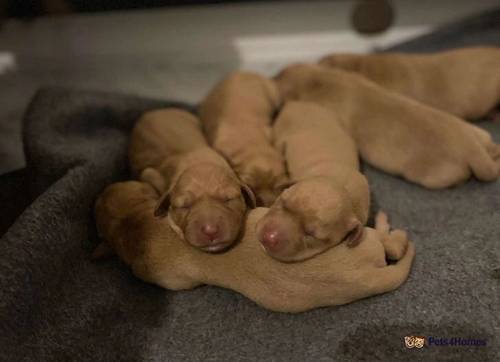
x=56, y=304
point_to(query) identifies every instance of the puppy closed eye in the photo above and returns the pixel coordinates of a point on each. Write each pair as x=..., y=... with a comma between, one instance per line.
x=182, y=204
x=233, y=202
x=231, y=198
x=309, y=231
x=317, y=231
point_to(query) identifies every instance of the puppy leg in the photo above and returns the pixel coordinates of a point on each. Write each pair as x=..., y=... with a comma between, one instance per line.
x=395, y=242
x=384, y=279
x=433, y=168
x=445, y=175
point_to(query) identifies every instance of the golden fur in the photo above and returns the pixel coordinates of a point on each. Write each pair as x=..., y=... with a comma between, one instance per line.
x=124, y=216
x=204, y=200
x=236, y=116
x=464, y=82
x=329, y=199
x=394, y=133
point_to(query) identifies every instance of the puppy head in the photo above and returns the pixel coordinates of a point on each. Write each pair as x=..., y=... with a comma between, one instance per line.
x=265, y=175
x=308, y=218
x=207, y=205
x=294, y=79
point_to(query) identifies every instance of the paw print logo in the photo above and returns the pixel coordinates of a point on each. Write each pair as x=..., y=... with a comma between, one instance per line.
x=414, y=341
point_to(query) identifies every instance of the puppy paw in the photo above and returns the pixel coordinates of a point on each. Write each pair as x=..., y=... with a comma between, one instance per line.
x=382, y=222
x=494, y=152
x=395, y=242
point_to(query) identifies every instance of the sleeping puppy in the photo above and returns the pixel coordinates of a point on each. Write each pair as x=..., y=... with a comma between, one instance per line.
x=205, y=202
x=394, y=133
x=464, y=82
x=329, y=200
x=155, y=253
x=236, y=116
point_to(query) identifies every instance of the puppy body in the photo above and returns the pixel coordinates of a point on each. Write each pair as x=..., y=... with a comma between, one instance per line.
x=328, y=203
x=464, y=82
x=237, y=116
x=395, y=133
x=156, y=254
x=315, y=145
x=204, y=200
x=165, y=134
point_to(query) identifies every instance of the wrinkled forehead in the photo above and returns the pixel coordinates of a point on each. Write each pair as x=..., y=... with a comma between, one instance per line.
x=318, y=198
x=210, y=180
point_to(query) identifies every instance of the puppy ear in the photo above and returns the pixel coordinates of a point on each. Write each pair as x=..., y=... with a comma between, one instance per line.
x=355, y=236
x=162, y=205
x=249, y=196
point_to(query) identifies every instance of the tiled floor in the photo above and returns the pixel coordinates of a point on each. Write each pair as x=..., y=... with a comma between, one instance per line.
x=180, y=52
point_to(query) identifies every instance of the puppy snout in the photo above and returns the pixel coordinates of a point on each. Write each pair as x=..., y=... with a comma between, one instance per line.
x=271, y=239
x=210, y=230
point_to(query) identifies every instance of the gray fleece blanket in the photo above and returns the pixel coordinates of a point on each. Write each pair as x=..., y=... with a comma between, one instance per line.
x=56, y=304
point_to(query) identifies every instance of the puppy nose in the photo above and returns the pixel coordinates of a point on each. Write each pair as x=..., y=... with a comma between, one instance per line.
x=210, y=230
x=270, y=239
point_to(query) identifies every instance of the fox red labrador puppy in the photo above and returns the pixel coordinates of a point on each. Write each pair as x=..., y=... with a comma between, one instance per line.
x=202, y=198
x=236, y=116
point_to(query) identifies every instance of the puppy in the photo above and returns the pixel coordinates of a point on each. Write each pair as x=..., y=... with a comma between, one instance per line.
x=394, y=133
x=204, y=200
x=124, y=216
x=464, y=82
x=330, y=199
x=236, y=116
